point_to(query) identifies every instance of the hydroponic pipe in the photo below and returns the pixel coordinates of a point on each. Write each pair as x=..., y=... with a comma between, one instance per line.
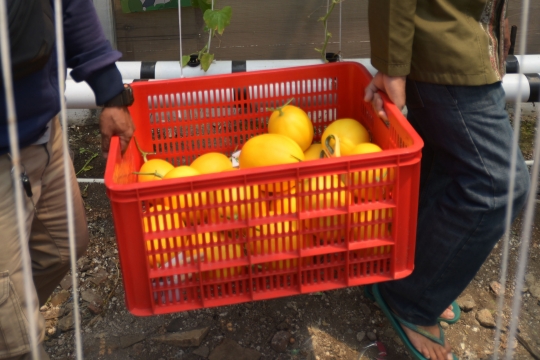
x=171, y=69
x=80, y=96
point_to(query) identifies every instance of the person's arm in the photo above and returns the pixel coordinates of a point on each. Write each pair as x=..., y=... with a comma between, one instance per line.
x=91, y=58
x=391, y=31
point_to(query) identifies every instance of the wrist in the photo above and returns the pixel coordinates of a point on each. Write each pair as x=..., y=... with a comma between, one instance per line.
x=123, y=99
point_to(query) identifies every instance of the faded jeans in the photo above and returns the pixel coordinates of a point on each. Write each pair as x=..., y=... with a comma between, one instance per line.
x=463, y=193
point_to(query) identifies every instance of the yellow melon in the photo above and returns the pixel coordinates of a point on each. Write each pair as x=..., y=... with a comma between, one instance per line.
x=313, y=152
x=292, y=122
x=270, y=149
x=350, y=133
x=211, y=163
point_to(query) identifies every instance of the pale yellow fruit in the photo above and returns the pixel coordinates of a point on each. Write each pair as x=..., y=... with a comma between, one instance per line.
x=270, y=149
x=313, y=152
x=282, y=238
x=154, y=166
x=210, y=163
x=294, y=123
x=229, y=209
x=350, y=133
x=161, y=222
x=186, y=201
x=370, y=176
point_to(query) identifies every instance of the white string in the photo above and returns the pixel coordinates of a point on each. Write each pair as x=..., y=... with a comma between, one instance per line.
x=59, y=29
x=180, y=36
x=29, y=290
x=527, y=224
x=326, y=25
x=511, y=183
x=210, y=32
x=524, y=250
x=339, y=53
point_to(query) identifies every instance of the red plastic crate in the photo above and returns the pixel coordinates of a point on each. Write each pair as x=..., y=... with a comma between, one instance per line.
x=329, y=233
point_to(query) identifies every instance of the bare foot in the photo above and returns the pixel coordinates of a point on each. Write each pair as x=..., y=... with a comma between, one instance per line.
x=426, y=347
x=448, y=314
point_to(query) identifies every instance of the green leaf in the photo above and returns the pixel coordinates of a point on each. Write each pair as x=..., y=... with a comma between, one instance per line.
x=88, y=168
x=135, y=6
x=217, y=20
x=185, y=60
x=206, y=61
x=202, y=4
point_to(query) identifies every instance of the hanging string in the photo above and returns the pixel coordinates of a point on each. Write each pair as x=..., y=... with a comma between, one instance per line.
x=326, y=25
x=59, y=29
x=29, y=291
x=339, y=52
x=180, y=36
x=524, y=250
x=511, y=184
x=210, y=32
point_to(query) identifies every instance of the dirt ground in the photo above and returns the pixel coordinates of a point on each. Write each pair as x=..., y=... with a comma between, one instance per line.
x=339, y=324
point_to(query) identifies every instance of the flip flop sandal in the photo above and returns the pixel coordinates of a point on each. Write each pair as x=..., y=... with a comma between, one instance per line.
x=455, y=307
x=396, y=322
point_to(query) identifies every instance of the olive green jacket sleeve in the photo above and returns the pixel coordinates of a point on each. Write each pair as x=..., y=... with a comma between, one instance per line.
x=391, y=29
x=450, y=42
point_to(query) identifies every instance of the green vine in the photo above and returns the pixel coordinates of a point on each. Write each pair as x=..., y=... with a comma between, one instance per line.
x=327, y=34
x=216, y=21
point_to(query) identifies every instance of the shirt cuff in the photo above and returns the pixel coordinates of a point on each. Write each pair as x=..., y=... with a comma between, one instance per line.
x=106, y=83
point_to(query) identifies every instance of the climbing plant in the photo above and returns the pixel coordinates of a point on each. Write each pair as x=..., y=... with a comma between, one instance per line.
x=327, y=34
x=216, y=20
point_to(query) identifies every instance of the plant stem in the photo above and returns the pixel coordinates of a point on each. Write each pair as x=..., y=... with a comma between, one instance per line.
x=94, y=155
x=143, y=153
x=328, y=35
x=280, y=108
x=155, y=173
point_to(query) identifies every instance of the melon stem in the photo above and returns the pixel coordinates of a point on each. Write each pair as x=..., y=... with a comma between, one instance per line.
x=299, y=160
x=143, y=153
x=156, y=174
x=327, y=148
x=280, y=108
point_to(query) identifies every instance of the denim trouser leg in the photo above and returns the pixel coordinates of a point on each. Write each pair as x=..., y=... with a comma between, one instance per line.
x=463, y=193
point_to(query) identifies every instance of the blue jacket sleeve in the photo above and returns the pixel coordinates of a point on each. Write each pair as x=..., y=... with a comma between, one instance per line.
x=88, y=53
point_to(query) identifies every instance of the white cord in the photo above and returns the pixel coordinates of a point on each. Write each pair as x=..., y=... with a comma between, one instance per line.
x=29, y=290
x=509, y=207
x=326, y=25
x=180, y=37
x=59, y=29
x=210, y=32
x=527, y=224
x=340, y=8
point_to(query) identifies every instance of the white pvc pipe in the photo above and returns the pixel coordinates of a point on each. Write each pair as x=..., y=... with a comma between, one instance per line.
x=530, y=64
x=511, y=87
x=171, y=69
x=91, y=181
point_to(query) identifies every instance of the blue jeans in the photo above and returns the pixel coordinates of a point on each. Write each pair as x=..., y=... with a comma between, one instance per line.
x=463, y=193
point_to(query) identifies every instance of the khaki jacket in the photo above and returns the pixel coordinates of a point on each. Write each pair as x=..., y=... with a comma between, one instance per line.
x=450, y=42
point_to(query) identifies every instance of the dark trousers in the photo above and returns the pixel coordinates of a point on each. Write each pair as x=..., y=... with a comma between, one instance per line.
x=463, y=193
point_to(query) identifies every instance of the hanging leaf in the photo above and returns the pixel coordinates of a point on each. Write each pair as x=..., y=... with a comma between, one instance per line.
x=217, y=20
x=202, y=4
x=185, y=60
x=206, y=61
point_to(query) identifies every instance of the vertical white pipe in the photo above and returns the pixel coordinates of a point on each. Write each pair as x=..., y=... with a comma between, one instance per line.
x=29, y=290
x=60, y=53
